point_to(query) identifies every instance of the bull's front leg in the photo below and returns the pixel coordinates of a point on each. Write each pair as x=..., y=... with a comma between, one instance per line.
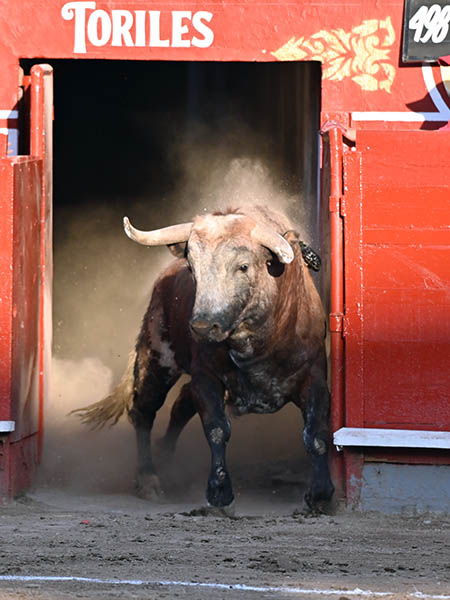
x=208, y=393
x=316, y=410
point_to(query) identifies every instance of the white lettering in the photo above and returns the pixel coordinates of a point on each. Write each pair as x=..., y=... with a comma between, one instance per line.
x=99, y=28
x=178, y=29
x=434, y=19
x=155, y=39
x=122, y=22
x=207, y=32
x=140, y=27
x=78, y=10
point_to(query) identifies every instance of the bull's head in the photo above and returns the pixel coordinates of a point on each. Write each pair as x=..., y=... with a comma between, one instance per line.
x=233, y=260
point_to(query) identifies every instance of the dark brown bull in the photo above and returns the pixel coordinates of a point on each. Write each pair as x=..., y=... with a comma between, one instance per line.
x=238, y=311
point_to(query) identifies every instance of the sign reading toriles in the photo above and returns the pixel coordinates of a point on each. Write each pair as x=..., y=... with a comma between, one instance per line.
x=137, y=28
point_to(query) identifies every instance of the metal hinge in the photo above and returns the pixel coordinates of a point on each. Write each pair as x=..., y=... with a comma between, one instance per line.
x=338, y=204
x=338, y=323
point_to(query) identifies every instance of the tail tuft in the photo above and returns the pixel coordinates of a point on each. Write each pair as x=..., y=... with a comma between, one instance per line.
x=112, y=407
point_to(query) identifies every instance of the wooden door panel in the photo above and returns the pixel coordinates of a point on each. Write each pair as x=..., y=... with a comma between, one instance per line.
x=397, y=280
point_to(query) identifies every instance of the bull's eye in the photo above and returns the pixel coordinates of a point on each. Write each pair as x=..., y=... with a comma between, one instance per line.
x=269, y=263
x=243, y=268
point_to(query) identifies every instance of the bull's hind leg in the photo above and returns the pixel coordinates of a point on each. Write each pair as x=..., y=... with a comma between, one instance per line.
x=151, y=385
x=183, y=410
x=316, y=408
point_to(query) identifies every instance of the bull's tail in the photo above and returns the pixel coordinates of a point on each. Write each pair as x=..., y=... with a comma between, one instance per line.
x=113, y=406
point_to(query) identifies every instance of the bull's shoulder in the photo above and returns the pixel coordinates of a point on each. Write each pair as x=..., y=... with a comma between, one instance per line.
x=174, y=268
x=174, y=286
x=166, y=323
x=174, y=278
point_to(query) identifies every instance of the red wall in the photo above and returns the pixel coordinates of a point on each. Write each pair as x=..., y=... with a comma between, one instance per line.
x=358, y=43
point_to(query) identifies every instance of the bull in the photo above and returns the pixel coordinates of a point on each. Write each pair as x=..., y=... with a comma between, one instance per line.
x=237, y=311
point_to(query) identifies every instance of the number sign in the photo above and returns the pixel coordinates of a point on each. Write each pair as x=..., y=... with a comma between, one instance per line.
x=426, y=30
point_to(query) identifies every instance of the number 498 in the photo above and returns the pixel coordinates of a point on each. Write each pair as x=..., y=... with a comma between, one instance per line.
x=430, y=23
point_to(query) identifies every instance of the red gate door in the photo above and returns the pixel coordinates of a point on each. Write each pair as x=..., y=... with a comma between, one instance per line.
x=396, y=212
x=25, y=290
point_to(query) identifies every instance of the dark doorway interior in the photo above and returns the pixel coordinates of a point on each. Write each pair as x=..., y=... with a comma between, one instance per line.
x=160, y=142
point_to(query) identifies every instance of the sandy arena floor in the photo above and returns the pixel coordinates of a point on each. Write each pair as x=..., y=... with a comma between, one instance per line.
x=269, y=549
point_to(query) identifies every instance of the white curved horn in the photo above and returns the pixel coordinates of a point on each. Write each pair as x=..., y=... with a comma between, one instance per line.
x=158, y=237
x=269, y=238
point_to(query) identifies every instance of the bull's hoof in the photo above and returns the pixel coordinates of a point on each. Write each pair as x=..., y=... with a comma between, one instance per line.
x=221, y=511
x=148, y=487
x=214, y=511
x=219, y=497
x=320, y=500
x=319, y=507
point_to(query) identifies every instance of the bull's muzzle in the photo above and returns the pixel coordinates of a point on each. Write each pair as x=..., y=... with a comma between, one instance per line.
x=208, y=329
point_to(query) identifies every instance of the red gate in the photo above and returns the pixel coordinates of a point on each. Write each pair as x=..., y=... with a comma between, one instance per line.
x=396, y=294
x=25, y=307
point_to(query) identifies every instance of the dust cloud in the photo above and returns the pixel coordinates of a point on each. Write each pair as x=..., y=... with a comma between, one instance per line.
x=102, y=285
x=239, y=170
x=73, y=457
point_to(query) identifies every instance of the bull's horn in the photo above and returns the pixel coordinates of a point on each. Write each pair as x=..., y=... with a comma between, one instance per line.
x=274, y=241
x=158, y=237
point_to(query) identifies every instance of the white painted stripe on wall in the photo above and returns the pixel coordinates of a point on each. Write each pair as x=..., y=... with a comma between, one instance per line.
x=442, y=113
x=357, y=592
x=9, y=114
x=7, y=426
x=401, y=117
x=391, y=438
x=438, y=100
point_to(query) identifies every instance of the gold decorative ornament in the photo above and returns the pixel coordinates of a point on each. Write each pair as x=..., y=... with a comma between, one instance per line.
x=362, y=53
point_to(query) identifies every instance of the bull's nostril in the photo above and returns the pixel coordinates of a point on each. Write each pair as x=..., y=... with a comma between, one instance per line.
x=201, y=327
x=204, y=328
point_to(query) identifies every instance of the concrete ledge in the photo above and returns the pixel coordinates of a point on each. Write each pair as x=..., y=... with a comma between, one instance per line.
x=408, y=489
x=391, y=438
x=7, y=426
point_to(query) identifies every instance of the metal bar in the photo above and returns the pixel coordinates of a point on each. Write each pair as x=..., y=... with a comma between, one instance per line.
x=337, y=303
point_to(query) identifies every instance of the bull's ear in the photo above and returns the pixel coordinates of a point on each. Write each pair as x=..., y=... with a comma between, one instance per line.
x=291, y=236
x=178, y=250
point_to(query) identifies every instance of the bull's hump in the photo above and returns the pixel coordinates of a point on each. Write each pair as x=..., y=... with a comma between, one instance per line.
x=216, y=226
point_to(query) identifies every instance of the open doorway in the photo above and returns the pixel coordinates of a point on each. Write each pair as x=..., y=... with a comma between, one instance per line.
x=161, y=142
